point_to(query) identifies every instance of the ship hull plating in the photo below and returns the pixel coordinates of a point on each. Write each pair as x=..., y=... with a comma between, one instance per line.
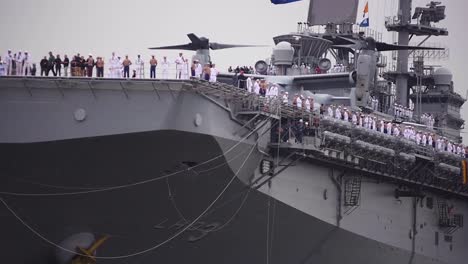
x=243, y=226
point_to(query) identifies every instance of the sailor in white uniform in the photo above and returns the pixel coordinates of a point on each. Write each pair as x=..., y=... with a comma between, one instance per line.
x=450, y=147
x=389, y=128
x=396, y=131
x=257, y=87
x=429, y=140
x=424, y=140
x=413, y=134
x=354, y=118
x=7, y=60
x=179, y=66
x=330, y=111
x=338, y=112
x=439, y=144
x=345, y=115
x=418, y=138
x=249, y=85
x=299, y=102
x=213, y=73
x=307, y=104
x=285, y=98
x=19, y=63
x=458, y=151
x=165, y=68
x=198, y=69
x=273, y=91
x=2, y=68
x=139, y=67
x=114, y=66
x=366, y=122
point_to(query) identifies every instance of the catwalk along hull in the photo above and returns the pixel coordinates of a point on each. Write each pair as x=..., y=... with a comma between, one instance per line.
x=164, y=175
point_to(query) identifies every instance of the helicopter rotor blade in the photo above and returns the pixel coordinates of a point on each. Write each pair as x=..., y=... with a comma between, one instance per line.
x=189, y=46
x=218, y=46
x=381, y=46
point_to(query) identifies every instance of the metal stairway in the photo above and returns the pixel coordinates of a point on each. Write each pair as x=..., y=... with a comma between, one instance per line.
x=448, y=222
x=352, y=192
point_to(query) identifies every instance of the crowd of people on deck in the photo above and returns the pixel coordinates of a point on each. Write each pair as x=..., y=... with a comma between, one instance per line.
x=428, y=120
x=244, y=69
x=371, y=122
x=402, y=112
x=303, y=69
x=20, y=64
x=300, y=102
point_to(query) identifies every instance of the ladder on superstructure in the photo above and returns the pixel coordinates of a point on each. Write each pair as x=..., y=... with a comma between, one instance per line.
x=352, y=192
x=446, y=222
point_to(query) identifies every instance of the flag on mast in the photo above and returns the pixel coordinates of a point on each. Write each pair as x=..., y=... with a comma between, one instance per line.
x=365, y=16
x=279, y=2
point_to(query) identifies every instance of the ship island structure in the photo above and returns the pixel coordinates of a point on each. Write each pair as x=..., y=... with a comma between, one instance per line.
x=187, y=171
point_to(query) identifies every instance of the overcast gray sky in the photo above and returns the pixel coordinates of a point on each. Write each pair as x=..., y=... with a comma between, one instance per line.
x=130, y=27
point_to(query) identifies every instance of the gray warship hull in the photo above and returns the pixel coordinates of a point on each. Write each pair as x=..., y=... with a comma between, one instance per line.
x=166, y=172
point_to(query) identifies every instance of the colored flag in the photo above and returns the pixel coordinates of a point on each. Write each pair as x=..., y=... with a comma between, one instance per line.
x=279, y=2
x=365, y=16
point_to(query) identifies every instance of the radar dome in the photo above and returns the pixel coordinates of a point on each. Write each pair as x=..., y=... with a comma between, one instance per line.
x=442, y=76
x=283, y=53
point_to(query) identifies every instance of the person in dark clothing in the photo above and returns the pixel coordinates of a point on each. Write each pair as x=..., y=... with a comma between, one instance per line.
x=73, y=66
x=242, y=79
x=58, y=65
x=44, y=66
x=90, y=65
x=322, y=109
x=299, y=131
x=82, y=66
x=126, y=63
x=100, y=67
x=33, y=69
x=153, y=64
x=235, y=79
x=51, y=64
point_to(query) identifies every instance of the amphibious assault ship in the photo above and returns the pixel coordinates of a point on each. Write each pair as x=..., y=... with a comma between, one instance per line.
x=178, y=171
